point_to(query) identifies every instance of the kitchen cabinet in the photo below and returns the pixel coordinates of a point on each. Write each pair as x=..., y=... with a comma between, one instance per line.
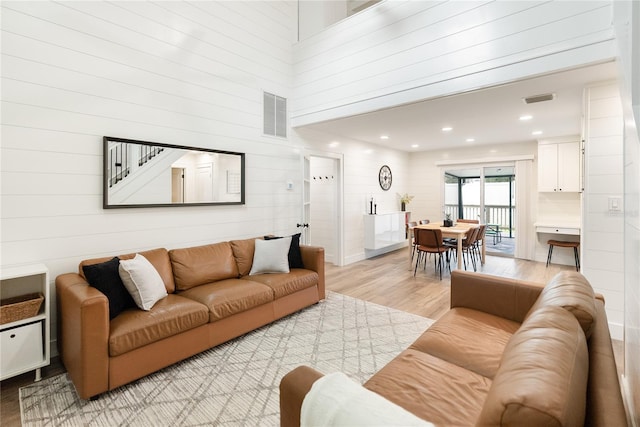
x=559, y=166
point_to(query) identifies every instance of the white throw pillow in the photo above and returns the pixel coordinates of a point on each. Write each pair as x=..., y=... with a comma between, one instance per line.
x=271, y=256
x=143, y=281
x=335, y=400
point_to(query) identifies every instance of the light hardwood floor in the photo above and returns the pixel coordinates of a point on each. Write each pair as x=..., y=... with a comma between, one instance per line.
x=386, y=280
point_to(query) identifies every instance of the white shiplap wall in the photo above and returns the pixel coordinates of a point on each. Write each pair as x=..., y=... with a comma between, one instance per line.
x=403, y=51
x=187, y=73
x=361, y=164
x=603, y=231
x=627, y=26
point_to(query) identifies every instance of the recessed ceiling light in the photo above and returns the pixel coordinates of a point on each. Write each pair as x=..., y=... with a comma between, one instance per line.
x=414, y=146
x=384, y=136
x=334, y=144
x=536, y=132
x=368, y=151
x=526, y=117
x=470, y=139
x=447, y=129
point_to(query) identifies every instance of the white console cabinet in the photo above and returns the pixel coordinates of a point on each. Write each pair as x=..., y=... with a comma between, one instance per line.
x=24, y=343
x=384, y=230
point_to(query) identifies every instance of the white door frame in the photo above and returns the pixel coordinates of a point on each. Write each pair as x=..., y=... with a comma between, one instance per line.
x=339, y=258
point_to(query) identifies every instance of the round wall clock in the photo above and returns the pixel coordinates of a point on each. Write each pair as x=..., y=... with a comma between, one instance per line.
x=384, y=177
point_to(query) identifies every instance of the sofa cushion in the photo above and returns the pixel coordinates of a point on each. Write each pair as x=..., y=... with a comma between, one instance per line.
x=337, y=400
x=169, y=316
x=571, y=291
x=243, y=252
x=542, y=380
x=228, y=297
x=284, y=284
x=295, y=256
x=104, y=276
x=142, y=281
x=468, y=338
x=202, y=264
x=432, y=388
x=159, y=258
x=271, y=256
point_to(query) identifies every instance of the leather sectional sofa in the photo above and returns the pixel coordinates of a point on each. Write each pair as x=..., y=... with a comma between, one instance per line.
x=507, y=353
x=211, y=299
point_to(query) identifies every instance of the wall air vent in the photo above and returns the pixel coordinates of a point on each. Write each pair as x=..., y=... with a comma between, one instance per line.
x=275, y=115
x=539, y=98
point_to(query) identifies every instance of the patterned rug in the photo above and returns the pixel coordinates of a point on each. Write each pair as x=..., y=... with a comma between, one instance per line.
x=237, y=383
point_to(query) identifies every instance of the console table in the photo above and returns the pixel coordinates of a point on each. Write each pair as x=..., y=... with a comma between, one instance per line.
x=384, y=230
x=567, y=228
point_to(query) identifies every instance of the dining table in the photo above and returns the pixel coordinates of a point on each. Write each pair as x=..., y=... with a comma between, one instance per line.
x=458, y=231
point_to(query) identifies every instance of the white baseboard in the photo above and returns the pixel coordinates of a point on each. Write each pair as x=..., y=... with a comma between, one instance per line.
x=370, y=253
x=354, y=258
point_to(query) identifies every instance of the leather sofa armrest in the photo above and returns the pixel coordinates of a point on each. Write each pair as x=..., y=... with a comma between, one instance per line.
x=293, y=388
x=83, y=334
x=504, y=297
x=313, y=259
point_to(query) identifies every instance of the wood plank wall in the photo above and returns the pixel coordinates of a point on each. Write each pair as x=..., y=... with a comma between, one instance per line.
x=187, y=73
x=398, y=52
x=603, y=239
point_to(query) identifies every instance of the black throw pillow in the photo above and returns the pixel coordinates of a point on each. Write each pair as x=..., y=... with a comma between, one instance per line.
x=106, y=278
x=295, y=257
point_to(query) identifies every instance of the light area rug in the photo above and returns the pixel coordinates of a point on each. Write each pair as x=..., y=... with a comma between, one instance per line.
x=237, y=383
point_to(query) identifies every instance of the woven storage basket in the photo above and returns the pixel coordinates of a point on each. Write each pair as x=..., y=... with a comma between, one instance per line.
x=20, y=307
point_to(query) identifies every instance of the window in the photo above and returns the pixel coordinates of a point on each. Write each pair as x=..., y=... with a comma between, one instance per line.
x=275, y=115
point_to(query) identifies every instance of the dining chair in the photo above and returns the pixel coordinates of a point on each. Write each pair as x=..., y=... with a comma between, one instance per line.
x=468, y=246
x=411, y=233
x=430, y=242
x=480, y=240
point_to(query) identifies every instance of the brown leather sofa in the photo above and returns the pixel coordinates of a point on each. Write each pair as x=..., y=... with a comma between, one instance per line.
x=211, y=299
x=508, y=353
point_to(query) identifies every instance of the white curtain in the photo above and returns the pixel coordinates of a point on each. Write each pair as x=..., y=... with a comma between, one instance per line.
x=525, y=232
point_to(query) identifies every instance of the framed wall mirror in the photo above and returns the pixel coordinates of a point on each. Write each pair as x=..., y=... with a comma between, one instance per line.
x=150, y=174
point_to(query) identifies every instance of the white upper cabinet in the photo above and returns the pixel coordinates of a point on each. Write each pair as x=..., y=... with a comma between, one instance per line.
x=559, y=165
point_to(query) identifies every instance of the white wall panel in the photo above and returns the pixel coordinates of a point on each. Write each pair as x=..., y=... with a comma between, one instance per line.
x=361, y=164
x=602, y=240
x=627, y=25
x=180, y=73
x=446, y=47
x=605, y=145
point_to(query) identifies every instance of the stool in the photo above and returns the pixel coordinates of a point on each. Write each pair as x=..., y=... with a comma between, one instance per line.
x=560, y=243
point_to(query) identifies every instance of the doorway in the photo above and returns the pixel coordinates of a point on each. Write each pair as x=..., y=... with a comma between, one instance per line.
x=204, y=182
x=485, y=194
x=322, y=206
x=177, y=185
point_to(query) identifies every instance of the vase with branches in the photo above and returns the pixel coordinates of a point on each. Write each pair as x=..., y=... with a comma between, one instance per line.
x=405, y=199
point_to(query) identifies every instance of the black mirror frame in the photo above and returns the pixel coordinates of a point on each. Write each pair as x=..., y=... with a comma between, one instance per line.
x=105, y=178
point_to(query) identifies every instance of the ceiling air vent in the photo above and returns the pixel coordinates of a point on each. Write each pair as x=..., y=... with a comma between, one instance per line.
x=539, y=98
